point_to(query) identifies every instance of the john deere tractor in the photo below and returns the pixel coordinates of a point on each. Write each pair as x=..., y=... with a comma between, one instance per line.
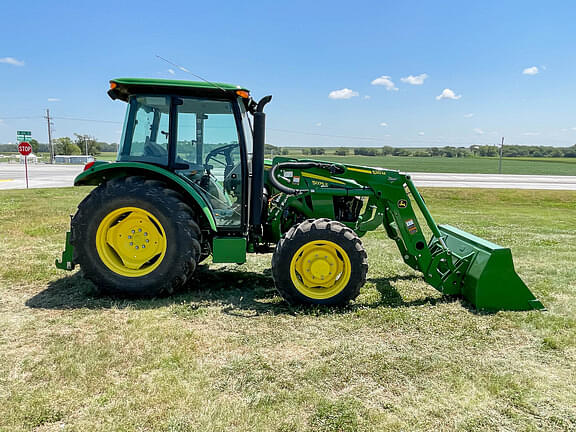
x=190, y=182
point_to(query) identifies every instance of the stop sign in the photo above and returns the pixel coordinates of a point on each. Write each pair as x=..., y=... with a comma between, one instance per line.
x=24, y=148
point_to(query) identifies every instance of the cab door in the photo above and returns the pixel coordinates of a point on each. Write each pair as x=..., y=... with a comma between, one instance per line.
x=208, y=143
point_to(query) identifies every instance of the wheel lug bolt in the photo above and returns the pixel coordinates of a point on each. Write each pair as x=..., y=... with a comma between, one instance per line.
x=143, y=246
x=133, y=231
x=129, y=237
x=136, y=247
x=145, y=233
x=147, y=241
x=139, y=229
x=131, y=243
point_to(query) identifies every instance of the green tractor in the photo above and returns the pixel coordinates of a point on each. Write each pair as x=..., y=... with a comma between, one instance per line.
x=191, y=181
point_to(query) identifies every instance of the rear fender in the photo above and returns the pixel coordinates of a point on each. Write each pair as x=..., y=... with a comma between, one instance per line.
x=99, y=173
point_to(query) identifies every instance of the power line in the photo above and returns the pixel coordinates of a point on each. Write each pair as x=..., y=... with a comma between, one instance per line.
x=87, y=120
x=325, y=135
x=20, y=118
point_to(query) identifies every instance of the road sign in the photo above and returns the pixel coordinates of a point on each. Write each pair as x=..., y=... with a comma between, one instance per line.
x=24, y=148
x=22, y=136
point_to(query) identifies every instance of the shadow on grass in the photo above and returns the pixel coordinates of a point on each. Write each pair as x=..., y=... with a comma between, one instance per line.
x=239, y=293
x=390, y=296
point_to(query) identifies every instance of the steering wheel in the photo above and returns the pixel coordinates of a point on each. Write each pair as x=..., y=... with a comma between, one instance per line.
x=230, y=178
x=226, y=151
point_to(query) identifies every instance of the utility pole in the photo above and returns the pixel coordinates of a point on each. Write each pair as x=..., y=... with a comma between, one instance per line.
x=86, y=143
x=47, y=117
x=500, y=161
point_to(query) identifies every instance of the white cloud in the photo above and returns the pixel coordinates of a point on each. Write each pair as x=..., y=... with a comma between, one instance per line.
x=366, y=97
x=11, y=61
x=385, y=81
x=469, y=115
x=171, y=71
x=344, y=93
x=319, y=124
x=531, y=133
x=421, y=133
x=383, y=124
x=574, y=128
x=530, y=71
x=478, y=131
x=53, y=100
x=448, y=94
x=415, y=80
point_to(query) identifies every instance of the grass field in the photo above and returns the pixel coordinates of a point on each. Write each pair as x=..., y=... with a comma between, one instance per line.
x=480, y=165
x=229, y=354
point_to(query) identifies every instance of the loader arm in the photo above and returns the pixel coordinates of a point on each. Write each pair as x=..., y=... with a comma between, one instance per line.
x=452, y=261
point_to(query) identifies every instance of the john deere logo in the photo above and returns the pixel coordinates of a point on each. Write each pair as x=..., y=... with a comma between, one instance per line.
x=402, y=203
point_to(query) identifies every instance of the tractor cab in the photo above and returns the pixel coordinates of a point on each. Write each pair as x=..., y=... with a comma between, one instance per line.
x=203, y=134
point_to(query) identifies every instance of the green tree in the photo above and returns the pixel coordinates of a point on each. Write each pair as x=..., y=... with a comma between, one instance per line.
x=87, y=142
x=65, y=146
x=387, y=150
x=35, y=145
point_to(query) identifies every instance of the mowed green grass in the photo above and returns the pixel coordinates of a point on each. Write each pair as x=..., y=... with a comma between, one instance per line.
x=228, y=354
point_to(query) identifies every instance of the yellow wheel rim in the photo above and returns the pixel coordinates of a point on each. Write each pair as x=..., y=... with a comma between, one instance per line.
x=320, y=269
x=131, y=241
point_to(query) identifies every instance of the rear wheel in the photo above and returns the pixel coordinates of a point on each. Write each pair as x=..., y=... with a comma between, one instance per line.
x=133, y=236
x=319, y=262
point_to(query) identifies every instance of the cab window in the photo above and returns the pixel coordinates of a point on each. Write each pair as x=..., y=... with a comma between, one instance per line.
x=146, y=136
x=208, y=144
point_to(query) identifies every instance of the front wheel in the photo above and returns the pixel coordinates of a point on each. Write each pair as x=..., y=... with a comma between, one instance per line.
x=319, y=262
x=134, y=236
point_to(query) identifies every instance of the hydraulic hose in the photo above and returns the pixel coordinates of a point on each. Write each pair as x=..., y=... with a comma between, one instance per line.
x=332, y=168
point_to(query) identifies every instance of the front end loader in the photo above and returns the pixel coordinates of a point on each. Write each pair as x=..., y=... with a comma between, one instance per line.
x=191, y=182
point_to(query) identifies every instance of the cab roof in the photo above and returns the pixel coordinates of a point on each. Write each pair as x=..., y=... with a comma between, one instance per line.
x=122, y=88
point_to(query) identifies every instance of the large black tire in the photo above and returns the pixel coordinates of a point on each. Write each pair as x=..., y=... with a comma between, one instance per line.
x=181, y=236
x=308, y=238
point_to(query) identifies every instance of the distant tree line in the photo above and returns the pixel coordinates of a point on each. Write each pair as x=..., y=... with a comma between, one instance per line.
x=447, y=151
x=82, y=143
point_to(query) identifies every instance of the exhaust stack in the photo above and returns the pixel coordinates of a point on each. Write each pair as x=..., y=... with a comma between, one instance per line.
x=257, y=186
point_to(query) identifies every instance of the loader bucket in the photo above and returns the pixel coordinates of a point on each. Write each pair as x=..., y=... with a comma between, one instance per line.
x=490, y=283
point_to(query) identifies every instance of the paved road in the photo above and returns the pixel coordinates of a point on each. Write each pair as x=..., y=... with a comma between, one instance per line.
x=497, y=181
x=45, y=176
x=12, y=176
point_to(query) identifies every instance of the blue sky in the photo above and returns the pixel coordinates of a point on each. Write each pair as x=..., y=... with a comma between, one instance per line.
x=341, y=73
